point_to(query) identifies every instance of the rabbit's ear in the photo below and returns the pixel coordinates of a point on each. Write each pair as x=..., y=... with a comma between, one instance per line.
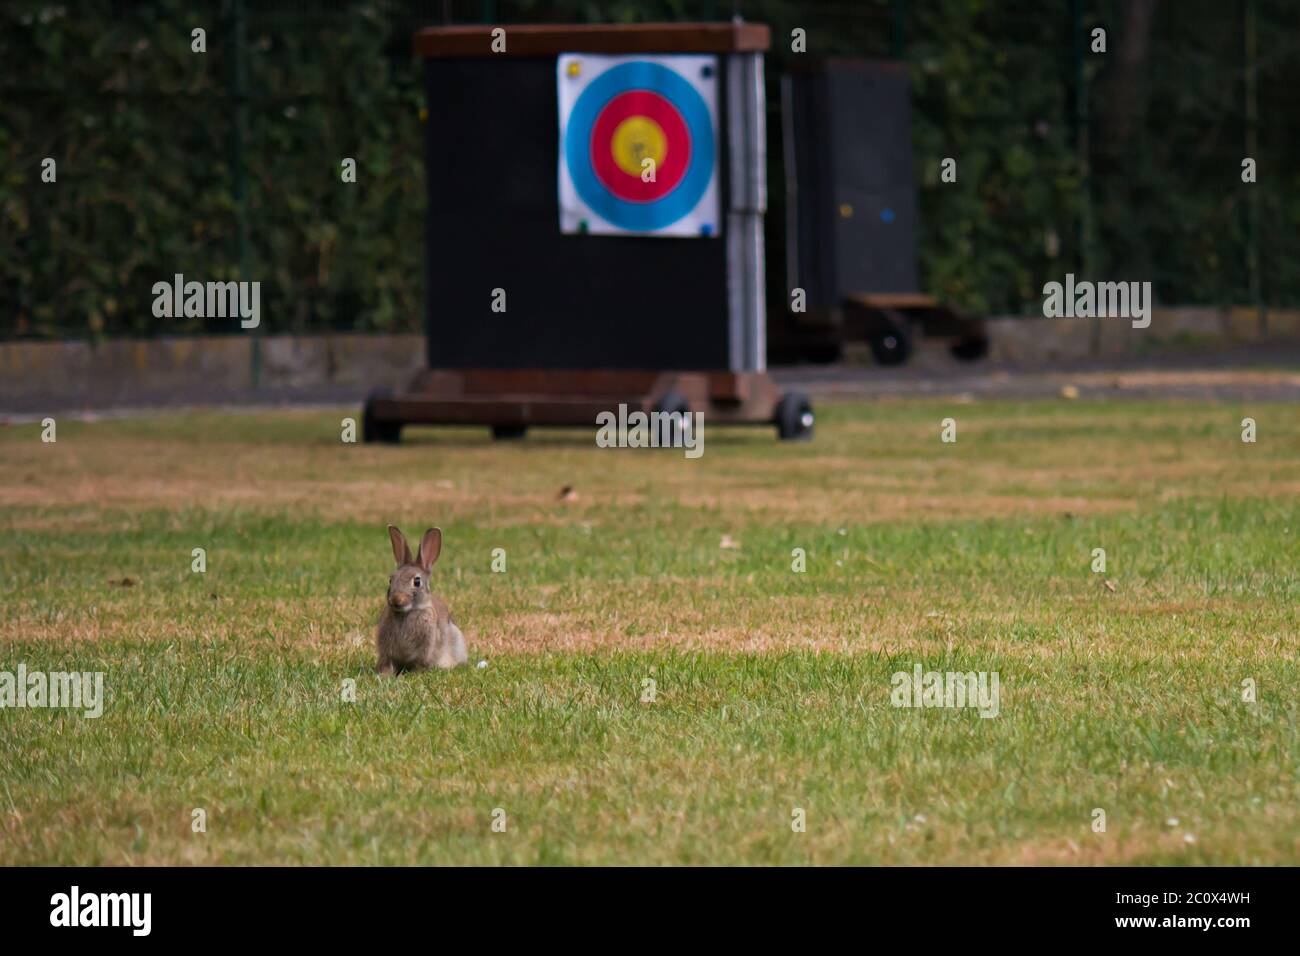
x=401, y=550
x=430, y=547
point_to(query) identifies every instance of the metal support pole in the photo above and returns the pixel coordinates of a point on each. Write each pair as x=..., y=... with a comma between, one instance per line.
x=240, y=169
x=1252, y=150
x=746, y=118
x=1082, y=142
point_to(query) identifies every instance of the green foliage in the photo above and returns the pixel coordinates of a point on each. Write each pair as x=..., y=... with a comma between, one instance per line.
x=143, y=129
x=987, y=89
x=1170, y=202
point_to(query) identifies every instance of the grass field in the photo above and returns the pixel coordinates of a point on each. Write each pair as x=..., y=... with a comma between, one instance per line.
x=224, y=690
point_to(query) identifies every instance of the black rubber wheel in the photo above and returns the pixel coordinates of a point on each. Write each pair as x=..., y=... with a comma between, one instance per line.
x=794, y=417
x=509, y=432
x=893, y=347
x=677, y=406
x=387, y=433
x=971, y=350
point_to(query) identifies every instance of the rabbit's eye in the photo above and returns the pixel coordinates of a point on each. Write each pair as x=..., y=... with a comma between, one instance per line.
x=417, y=582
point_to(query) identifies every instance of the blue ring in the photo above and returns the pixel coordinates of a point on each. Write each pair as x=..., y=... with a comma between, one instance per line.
x=682, y=198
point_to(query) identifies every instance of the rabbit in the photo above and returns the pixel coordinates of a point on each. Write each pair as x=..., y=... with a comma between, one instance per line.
x=416, y=631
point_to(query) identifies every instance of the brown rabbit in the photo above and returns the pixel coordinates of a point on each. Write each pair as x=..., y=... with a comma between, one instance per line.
x=416, y=631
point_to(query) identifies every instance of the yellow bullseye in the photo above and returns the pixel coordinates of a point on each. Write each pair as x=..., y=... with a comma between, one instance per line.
x=635, y=139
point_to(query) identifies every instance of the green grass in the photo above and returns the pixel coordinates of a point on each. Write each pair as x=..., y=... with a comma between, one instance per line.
x=772, y=689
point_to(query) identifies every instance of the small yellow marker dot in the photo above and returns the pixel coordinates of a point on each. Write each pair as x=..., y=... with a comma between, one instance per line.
x=574, y=68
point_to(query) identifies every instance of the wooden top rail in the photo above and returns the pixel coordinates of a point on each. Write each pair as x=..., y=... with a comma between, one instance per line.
x=544, y=39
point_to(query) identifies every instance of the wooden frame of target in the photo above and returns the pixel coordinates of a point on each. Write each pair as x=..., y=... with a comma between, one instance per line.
x=596, y=198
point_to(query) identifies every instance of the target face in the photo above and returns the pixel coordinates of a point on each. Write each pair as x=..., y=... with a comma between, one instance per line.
x=638, y=145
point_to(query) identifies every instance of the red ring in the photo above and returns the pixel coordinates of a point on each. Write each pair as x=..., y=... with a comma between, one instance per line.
x=677, y=146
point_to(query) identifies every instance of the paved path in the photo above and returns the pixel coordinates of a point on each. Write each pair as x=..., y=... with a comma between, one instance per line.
x=1239, y=375
x=1271, y=374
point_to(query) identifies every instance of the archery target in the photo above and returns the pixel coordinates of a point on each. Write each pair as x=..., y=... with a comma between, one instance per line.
x=638, y=144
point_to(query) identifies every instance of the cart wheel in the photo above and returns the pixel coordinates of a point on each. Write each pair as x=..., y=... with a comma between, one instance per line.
x=673, y=404
x=893, y=347
x=509, y=432
x=794, y=417
x=969, y=350
x=388, y=433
